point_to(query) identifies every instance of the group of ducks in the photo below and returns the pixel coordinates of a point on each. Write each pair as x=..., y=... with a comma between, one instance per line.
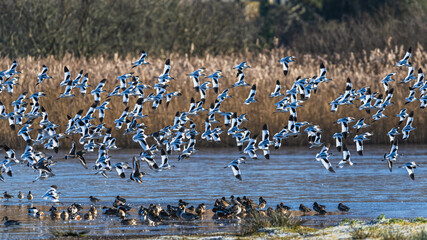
x=234, y=208
x=21, y=196
x=245, y=208
x=95, y=136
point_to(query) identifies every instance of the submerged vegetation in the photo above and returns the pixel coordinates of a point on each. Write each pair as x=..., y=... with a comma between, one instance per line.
x=270, y=219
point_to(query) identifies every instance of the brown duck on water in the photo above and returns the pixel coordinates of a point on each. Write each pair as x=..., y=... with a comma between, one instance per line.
x=304, y=209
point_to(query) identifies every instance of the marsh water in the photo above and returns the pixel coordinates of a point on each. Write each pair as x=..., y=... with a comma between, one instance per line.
x=291, y=176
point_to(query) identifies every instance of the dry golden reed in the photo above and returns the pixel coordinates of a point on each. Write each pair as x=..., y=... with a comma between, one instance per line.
x=265, y=70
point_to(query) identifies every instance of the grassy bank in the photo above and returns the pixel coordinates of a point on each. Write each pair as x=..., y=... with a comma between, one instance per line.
x=265, y=70
x=381, y=228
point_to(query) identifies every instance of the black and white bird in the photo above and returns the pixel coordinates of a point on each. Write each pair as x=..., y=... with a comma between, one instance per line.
x=360, y=124
x=420, y=79
x=215, y=77
x=345, y=157
x=423, y=100
x=194, y=76
x=251, y=97
x=392, y=156
x=276, y=92
x=411, y=97
x=323, y=157
x=359, y=141
x=315, y=141
x=120, y=168
x=378, y=115
x=285, y=62
x=408, y=127
x=141, y=60
x=265, y=142
x=165, y=161
x=67, y=91
x=386, y=81
x=234, y=165
x=405, y=60
x=52, y=194
x=402, y=115
x=410, y=167
x=410, y=75
x=240, y=79
x=242, y=66
x=98, y=90
x=250, y=148
x=393, y=133
x=165, y=76
x=43, y=75
x=344, y=125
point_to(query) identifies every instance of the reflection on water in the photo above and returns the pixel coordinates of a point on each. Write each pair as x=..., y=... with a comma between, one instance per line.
x=291, y=176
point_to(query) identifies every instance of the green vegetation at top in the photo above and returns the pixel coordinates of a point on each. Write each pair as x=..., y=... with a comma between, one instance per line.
x=87, y=28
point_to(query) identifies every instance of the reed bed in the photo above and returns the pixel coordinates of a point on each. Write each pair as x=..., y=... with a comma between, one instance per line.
x=364, y=71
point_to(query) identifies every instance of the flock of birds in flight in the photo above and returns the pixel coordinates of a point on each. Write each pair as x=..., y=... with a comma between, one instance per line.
x=172, y=138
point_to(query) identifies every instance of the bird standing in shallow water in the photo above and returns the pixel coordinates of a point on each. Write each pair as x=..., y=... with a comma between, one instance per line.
x=20, y=196
x=30, y=196
x=94, y=200
x=7, y=196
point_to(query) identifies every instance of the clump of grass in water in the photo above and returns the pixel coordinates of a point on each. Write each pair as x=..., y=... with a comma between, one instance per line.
x=69, y=233
x=347, y=221
x=418, y=220
x=258, y=221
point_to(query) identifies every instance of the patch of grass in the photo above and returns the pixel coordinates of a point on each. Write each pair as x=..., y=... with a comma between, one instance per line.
x=347, y=221
x=396, y=221
x=70, y=233
x=419, y=236
x=388, y=234
x=418, y=220
x=259, y=221
x=381, y=218
x=363, y=233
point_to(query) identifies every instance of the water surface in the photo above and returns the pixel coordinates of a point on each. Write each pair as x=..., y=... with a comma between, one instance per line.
x=291, y=176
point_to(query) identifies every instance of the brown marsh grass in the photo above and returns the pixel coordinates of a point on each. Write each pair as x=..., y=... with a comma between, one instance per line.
x=265, y=70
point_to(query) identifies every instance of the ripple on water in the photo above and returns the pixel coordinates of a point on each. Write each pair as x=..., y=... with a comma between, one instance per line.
x=291, y=176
